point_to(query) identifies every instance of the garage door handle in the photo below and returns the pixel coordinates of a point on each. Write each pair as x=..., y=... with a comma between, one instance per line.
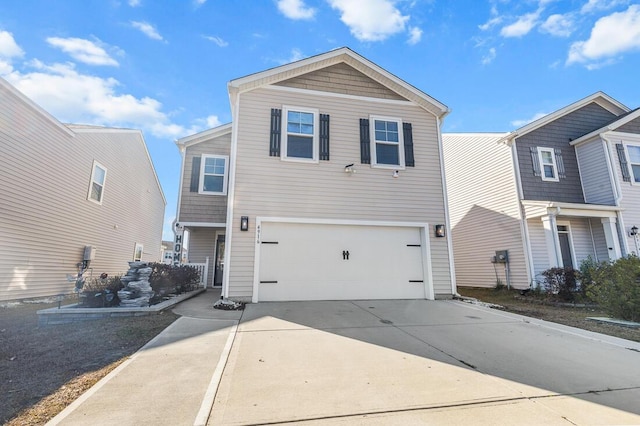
x=414, y=245
x=269, y=242
x=345, y=254
x=416, y=281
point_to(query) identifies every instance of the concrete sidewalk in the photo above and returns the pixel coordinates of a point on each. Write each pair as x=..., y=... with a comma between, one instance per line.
x=171, y=380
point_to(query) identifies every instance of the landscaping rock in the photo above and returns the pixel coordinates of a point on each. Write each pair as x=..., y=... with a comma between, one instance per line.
x=137, y=291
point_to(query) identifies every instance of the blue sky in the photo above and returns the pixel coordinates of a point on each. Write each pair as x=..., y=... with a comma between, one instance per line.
x=162, y=66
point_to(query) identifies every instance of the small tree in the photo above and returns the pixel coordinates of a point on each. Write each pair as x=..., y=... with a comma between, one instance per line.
x=616, y=288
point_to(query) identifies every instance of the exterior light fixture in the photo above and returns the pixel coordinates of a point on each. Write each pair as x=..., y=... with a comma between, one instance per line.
x=634, y=231
x=349, y=169
x=439, y=231
x=396, y=173
x=244, y=223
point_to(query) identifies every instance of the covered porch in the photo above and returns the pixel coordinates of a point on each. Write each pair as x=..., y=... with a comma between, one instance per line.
x=204, y=245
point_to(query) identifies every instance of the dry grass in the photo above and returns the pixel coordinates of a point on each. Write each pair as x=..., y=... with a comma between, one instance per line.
x=44, y=369
x=537, y=307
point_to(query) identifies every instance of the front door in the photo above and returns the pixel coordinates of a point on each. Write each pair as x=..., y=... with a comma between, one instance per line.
x=217, y=276
x=565, y=246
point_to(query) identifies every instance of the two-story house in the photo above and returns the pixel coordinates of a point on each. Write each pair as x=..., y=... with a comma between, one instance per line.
x=549, y=194
x=73, y=199
x=328, y=184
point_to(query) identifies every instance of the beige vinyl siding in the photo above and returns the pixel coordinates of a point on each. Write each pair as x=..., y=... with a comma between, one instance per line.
x=268, y=186
x=341, y=78
x=483, y=205
x=538, y=248
x=594, y=172
x=597, y=230
x=45, y=217
x=202, y=244
x=196, y=207
x=581, y=238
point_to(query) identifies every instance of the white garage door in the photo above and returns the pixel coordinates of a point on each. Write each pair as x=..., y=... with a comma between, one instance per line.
x=339, y=262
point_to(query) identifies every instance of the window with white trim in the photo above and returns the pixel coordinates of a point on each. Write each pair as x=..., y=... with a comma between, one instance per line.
x=548, y=166
x=300, y=134
x=213, y=174
x=137, y=252
x=633, y=152
x=96, y=185
x=387, y=144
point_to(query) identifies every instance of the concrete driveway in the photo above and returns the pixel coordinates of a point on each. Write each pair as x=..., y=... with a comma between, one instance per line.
x=421, y=362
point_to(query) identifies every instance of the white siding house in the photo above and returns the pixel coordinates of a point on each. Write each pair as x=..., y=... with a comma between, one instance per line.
x=335, y=186
x=66, y=187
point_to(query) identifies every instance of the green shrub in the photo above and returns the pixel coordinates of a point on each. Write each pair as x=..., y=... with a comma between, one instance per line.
x=588, y=268
x=561, y=283
x=616, y=288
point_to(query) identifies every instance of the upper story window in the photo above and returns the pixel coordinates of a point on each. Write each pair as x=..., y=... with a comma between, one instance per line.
x=548, y=164
x=300, y=134
x=387, y=145
x=634, y=161
x=96, y=186
x=213, y=174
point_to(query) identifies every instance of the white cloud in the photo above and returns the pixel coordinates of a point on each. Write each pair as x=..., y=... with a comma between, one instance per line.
x=522, y=26
x=147, y=29
x=74, y=97
x=217, y=40
x=489, y=57
x=610, y=36
x=558, y=25
x=599, y=5
x=491, y=23
x=377, y=21
x=8, y=47
x=295, y=9
x=83, y=50
x=199, y=3
x=134, y=3
x=415, y=35
x=520, y=123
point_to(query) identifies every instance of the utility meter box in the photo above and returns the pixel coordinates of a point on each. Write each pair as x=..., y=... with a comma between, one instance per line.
x=502, y=256
x=89, y=253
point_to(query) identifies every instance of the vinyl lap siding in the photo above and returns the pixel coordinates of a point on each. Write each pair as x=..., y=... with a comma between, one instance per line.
x=196, y=207
x=538, y=248
x=267, y=186
x=595, y=174
x=45, y=217
x=602, y=253
x=582, y=239
x=483, y=205
x=202, y=244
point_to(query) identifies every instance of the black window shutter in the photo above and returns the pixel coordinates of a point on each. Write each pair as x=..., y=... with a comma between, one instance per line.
x=365, y=142
x=560, y=163
x=534, y=161
x=624, y=168
x=408, y=145
x=195, y=174
x=324, y=136
x=276, y=125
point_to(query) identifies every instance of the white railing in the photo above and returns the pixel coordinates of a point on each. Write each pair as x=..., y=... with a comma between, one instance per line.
x=203, y=269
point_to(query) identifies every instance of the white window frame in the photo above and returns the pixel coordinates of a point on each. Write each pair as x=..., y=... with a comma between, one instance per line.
x=93, y=173
x=629, y=162
x=284, y=135
x=203, y=161
x=139, y=247
x=555, y=177
x=374, y=142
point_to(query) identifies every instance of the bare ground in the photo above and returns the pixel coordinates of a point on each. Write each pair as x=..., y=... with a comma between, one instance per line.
x=44, y=369
x=537, y=307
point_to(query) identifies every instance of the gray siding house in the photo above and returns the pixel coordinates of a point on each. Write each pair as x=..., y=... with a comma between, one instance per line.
x=551, y=193
x=67, y=187
x=327, y=185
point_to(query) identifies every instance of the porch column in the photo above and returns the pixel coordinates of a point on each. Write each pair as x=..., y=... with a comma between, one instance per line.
x=611, y=236
x=551, y=237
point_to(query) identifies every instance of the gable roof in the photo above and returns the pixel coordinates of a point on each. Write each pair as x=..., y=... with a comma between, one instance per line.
x=341, y=55
x=601, y=98
x=620, y=121
x=203, y=136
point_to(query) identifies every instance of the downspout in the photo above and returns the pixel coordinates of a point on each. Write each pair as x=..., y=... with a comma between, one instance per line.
x=454, y=287
x=234, y=98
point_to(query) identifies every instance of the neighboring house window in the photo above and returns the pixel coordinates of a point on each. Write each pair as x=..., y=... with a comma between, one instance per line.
x=96, y=187
x=137, y=252
x=300, y=134
x=387, y=145
x=634, y=161
x=548, y=165
x=213, y=174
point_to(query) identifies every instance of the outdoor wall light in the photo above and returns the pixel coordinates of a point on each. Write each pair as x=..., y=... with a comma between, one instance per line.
x=439, y=230
x=634, y=231
x=396, y=173
x=349, y=169
x=244, y=223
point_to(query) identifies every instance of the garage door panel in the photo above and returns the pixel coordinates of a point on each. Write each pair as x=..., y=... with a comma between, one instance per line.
x=309, y=262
